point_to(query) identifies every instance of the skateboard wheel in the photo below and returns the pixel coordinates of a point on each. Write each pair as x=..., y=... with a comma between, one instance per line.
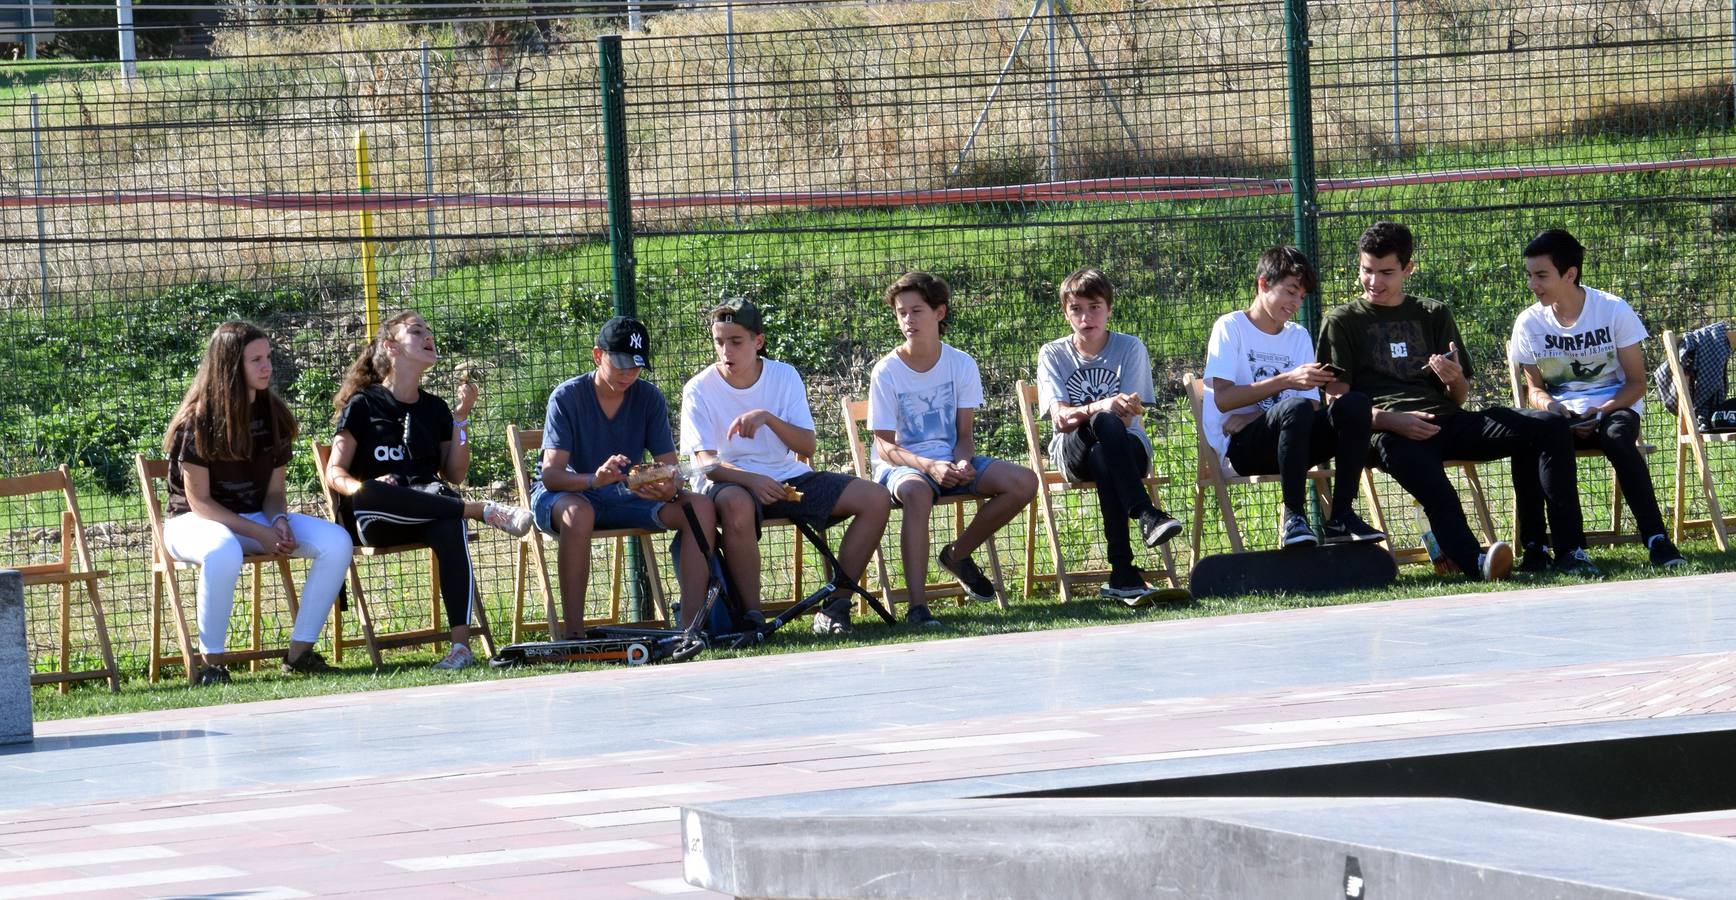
x=638, y=654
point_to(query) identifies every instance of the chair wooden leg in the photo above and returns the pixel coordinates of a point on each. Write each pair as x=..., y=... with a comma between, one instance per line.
x=1030, y=548
x=659, y=603
x=1615, y=523
x=65, y=656
x=799, y=555
x=520, y=564
x=1678, y=514
x=539, y=559
x=189, y=659
x=1228, y=511
x=435, y=609
x=102, y=635
x=1711, y=490
x=1063, y=585
x=365, y=614
x=479, y=629
x=1481, y=502
x=154, y=669
x=257, y=624
x=616, y=568
x=995, y=571
x=957, y=529
x=1196, y=539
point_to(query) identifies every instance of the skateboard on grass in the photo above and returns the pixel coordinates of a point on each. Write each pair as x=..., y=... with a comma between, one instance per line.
x=1326, y=567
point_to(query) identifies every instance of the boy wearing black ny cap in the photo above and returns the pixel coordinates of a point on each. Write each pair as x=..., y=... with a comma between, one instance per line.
x=597, y=426
x=746, y=423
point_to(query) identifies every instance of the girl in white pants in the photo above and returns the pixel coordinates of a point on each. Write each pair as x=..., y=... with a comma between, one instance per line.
x=228, y=445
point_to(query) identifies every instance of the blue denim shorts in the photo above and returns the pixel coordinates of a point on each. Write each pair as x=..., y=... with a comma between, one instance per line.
x=892, y=476
x=614, y=506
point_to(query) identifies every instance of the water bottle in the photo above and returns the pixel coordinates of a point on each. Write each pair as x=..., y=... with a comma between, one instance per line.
x=1443, y=565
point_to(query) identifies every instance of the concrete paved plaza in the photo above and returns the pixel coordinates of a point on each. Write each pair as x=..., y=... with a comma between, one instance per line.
x=568, y=785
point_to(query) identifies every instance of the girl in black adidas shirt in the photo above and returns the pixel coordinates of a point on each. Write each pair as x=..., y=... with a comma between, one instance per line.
x=396, y=450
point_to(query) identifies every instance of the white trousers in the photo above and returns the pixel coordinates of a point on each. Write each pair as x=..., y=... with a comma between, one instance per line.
x=217, y=552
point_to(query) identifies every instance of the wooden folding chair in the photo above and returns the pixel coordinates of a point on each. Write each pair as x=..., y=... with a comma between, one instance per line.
x=372, y=638
x=532, y=555
x=164, y=569
x=1051, y=483
x=1593, y=537
x=1211, y=475
x=73, y=566
x=1689, y=438
x=855, y=422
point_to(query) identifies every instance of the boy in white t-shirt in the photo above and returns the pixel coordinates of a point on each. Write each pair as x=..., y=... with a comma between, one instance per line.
x=1579, y=348
x=922, y=402
x=1093, y=385
x=1263, y=414
x=745, y=422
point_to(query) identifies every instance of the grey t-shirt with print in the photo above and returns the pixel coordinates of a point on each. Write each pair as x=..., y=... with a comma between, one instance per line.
x=1067, y=376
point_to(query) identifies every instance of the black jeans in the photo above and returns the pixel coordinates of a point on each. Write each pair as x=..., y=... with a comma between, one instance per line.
x=1617, y=435
x=1539, y=444
x=1117, y=462
x=1293, y=437
x=385, y=515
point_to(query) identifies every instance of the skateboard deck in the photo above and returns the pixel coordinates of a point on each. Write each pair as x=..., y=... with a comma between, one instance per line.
x=1153, y=596
x=1329, y=567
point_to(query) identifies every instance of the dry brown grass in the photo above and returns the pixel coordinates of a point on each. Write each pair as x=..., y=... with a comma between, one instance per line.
x=844, y=97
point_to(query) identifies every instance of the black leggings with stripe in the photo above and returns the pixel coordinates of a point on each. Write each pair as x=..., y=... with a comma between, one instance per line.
x=386, y=515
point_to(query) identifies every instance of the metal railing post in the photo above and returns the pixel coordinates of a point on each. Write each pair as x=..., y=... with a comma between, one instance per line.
x=428, y=159
x=1304, y=201
x=613, y=80
x=129, y=51
x=41, y=214
x=1054, y=125
x=1397, y=141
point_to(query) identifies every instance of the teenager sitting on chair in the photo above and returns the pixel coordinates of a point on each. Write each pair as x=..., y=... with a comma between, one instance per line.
x=1406, y=353
x=1093, y=385
x=744, y=421
x=1263, y=412
x=597, y=426
x=1580, y=351
x=922, y=402
x=397, y=451
x=228, y=445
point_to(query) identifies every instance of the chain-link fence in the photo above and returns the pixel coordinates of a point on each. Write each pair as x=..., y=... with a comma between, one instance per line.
x=805, y=157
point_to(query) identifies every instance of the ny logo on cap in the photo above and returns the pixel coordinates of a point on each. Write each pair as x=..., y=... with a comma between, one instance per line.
x=637, y=342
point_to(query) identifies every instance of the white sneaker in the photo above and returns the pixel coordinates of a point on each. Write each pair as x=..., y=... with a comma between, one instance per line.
x=1496, y=563
x=514, y=520
x=459, y=657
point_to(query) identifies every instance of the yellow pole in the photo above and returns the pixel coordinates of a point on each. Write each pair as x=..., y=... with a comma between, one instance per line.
x=370, y=273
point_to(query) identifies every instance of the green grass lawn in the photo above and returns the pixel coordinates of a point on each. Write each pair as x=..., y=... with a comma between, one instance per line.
x=1038, y=613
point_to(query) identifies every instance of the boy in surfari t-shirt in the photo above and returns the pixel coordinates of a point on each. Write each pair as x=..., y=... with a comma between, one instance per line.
x=1579, y=348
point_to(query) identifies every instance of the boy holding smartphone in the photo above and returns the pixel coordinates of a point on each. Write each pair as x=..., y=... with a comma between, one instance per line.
x=1406, y=353
x=1263, y=413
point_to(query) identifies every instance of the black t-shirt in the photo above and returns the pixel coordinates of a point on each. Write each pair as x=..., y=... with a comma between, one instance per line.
x=1384, y=351
x=236, y=485
x=395, y=438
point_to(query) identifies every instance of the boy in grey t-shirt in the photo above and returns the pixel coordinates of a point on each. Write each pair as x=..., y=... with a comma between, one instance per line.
x=1093, y=385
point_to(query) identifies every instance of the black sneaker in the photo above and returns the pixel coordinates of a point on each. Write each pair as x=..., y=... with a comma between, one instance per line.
x=1350, y=529
x=1577, y=562
x=1664, y=553
x=1536, y=559
x=921, y=617
x=212, y=675
x=970, y=577
x=1296, y=532
x=1157, y=527
x=308, y=663
x=834, y=616
x=1127, y=586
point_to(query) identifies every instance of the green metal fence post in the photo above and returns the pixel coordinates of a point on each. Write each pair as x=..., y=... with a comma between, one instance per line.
x=1304, y=202
x=621, y=284
x=1304, y=205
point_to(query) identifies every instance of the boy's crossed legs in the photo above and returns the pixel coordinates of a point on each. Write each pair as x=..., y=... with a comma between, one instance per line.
x=825, y=496
x=1103, y=449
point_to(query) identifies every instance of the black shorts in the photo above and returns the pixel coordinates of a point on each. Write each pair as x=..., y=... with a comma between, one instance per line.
x=820, y=493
